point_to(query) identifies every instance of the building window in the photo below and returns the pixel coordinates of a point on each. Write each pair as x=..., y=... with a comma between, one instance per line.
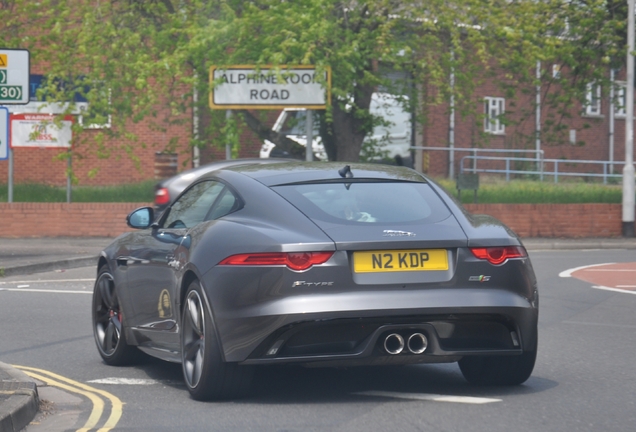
x=97, y=114
x=494, y=109
x=95, y=122
x=620, y=99
x=556, y=71
x=593, y=100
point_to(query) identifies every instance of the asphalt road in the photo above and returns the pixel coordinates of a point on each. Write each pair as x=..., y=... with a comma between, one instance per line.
x=585, y=379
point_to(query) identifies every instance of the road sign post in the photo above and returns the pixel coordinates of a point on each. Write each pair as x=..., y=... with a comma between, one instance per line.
x=268, y=87
x=4, y=133
x=14, y=77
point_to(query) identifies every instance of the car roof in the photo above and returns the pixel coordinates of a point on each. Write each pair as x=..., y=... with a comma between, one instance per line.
x=292, y=172
x=192, y=174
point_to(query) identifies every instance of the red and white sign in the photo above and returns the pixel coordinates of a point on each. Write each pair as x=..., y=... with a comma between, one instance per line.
x=41, y=131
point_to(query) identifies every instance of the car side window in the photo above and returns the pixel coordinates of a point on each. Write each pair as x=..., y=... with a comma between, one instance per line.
x=194, y=205
x=225, y=204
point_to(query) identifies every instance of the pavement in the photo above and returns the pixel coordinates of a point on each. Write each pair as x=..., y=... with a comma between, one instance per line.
x=19, y=402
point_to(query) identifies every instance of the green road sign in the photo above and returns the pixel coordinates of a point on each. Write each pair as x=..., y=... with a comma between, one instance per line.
x=10, y=93
x=14, y=76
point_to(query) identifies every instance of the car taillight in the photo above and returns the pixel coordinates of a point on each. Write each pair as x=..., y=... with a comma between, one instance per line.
x=293, y=260
x=162, y=196
x=497, y=255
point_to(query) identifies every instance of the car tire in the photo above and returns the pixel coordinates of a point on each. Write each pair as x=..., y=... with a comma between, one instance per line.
x=108, y=326
x=207, y=376
x=498, y=370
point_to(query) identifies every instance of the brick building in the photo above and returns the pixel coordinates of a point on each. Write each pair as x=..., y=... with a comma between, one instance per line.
x=586, y=132
x=587, y=137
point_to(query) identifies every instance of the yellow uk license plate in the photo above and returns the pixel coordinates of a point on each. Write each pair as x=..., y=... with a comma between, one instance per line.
x=400, y=260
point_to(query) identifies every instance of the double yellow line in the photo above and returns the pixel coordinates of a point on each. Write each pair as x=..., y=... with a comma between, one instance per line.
x=93, y=394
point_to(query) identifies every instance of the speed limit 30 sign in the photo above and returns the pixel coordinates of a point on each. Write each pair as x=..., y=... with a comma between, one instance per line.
x=14, y=77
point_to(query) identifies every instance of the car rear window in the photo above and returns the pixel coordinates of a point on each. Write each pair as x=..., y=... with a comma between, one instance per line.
x=366, y=202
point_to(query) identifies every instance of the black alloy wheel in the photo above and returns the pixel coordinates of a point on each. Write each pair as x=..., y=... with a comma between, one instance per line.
x=108, y=322
x=499, y=370
x=205, y=373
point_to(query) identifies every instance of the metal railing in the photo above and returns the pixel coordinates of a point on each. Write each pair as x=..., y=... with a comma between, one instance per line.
x=543, y=167
x=539, y=154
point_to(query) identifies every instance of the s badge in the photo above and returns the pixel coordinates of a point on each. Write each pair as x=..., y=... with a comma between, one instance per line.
x=480, y=278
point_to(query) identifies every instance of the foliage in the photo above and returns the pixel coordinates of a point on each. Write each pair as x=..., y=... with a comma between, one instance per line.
x=145, y=59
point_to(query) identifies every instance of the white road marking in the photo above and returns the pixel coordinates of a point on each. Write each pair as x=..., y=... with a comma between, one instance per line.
x=124, y=381
x=431, y=397
x=612, y=270
x=581, y=323
x=613, y=289
x=46, y=281
x=568, y=273
x=625, y=286
x=46, y=291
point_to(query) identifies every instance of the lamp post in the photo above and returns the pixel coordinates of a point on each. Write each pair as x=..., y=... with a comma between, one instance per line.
x=628, y=169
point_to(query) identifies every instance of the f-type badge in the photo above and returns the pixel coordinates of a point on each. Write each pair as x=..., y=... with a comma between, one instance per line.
x=480, y=278
x=311, y=284
x=395, y=233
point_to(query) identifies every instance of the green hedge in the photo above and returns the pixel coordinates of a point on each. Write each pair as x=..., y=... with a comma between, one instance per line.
x=136, y=192
x=535, y=192
x=513, y=192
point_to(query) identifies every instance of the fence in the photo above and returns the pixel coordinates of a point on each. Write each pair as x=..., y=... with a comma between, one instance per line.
x=541, y=167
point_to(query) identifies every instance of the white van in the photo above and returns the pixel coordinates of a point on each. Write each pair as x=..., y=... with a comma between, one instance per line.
x=386, y=142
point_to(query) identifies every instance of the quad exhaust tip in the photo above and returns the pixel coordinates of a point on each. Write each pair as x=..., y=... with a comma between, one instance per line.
x=394, y=344
x=416, y=343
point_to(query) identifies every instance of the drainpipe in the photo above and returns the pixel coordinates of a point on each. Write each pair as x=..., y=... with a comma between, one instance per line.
x=196, y=151
x=611, y=123
x=416, y=125
x=451, y=125
x=628, y=169
x=537, y=128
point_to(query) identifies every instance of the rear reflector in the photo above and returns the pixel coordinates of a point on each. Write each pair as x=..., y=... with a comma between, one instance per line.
x=498, y=255
x=162, y=196
x=293, y=260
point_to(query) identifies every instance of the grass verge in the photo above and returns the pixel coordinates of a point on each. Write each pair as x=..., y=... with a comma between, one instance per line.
x=535, y=192
x=136, y=192
x=513, y=192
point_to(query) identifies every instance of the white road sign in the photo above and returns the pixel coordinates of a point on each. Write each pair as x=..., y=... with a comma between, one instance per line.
x=246, y=87
x=4, y=133
x=14, y=76
x=41, y=131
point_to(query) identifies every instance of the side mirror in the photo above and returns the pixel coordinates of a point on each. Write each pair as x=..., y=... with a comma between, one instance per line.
x=141, y=218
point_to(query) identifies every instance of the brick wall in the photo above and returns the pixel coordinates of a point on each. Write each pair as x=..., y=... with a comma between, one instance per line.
x=556, y=220
x=64, y=220
x=108, y=219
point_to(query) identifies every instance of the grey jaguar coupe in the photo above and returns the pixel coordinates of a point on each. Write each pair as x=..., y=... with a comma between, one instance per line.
x=320, y=264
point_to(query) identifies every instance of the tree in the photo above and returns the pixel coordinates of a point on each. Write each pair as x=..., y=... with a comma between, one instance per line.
x=145, y=59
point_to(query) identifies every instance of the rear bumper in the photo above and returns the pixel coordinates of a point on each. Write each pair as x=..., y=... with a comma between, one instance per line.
x=350, y=327
x=364, y=341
